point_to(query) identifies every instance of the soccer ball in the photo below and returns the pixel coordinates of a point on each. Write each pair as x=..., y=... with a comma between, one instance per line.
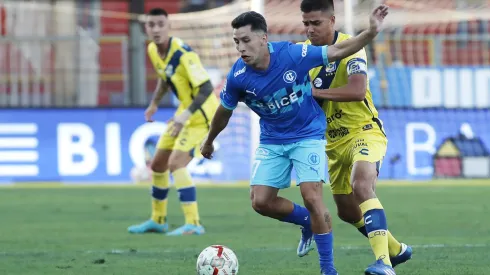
x=217, y=260
x=140, y=174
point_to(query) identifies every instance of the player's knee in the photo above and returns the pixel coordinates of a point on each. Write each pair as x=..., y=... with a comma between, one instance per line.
x=314, y=202
x=312, y=194
x=261, y=205
x=158, y=165
x=178, y=160
x=363, y=190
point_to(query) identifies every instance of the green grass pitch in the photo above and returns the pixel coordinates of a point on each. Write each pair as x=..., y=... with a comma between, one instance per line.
x=82, y=230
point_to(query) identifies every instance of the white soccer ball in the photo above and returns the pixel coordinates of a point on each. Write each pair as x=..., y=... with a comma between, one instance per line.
x=217, y=260
x=140, y=174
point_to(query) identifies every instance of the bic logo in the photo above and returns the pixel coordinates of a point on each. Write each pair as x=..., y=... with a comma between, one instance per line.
x=289, y=76
x=364, y=151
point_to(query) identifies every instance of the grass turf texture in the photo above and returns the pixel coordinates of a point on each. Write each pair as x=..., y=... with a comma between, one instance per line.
x=82, y=230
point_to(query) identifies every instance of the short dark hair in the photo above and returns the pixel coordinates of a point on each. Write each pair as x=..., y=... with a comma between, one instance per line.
x=317, y=5
x=254, y=19
x=158, y=11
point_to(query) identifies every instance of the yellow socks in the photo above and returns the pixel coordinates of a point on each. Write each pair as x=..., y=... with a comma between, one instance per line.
x=159, y=193
x=394, y=246
x=376, y=228
x=187, y=195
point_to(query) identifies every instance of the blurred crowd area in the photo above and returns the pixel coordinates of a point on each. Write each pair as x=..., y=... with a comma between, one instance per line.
x=78, y=53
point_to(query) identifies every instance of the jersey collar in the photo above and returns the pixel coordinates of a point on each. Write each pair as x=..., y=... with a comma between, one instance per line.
x=336, y=35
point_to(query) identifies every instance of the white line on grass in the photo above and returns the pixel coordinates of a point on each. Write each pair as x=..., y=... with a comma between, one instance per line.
x=258, y=249
x=280, y=249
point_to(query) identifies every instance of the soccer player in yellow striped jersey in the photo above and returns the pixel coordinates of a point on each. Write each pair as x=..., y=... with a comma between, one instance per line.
x=180, y=69
x=356, y=141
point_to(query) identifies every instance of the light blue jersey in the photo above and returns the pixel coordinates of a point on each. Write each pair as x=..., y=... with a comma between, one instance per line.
x=292, y=124
x=280, y=95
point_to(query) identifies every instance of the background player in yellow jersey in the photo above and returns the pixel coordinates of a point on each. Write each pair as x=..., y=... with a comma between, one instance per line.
x=179, y=69
x=356, y=142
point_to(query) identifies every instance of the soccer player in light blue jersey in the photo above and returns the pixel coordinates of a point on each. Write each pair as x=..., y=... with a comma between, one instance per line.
x=273, y=80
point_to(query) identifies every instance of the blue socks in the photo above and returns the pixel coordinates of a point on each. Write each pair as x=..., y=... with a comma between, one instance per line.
x=324, y=244
x=299, y=216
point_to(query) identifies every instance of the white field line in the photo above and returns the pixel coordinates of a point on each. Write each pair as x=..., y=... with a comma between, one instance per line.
x=263, y=249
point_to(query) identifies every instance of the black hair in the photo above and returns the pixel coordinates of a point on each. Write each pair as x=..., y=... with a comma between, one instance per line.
x=254, y=19
x=158, y=11
x=317, y=5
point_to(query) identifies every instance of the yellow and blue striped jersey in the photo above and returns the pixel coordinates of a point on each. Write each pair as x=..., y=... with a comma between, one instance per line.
x=182, y=70
x=344, y=118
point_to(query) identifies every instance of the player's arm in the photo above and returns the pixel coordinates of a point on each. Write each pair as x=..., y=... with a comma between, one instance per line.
x=205, y=90
x=355, y=89
x=160, y=90
x=351, y=46
x=198, y=77
x=158, y=94
x=229, y=101
x=218, y=124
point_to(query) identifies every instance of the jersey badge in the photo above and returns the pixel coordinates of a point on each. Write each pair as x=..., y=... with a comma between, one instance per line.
x=289, y=76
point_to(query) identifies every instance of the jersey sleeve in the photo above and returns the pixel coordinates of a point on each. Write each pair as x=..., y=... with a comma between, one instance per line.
x=195, y=71
x=356, y=63
x=230, y=94
x=308, y=56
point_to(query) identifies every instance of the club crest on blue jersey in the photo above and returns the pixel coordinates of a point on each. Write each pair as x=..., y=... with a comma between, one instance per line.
x=289, y=76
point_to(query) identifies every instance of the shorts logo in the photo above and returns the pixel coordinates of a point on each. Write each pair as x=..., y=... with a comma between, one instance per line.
x=364, y=151
x=313, y=158
x=289, y=76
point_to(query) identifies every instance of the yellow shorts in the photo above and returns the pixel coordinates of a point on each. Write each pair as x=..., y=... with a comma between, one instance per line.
x=188, y=140
x=365, y=146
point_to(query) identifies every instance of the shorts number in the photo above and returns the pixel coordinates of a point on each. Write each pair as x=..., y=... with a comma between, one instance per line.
x=255, y=167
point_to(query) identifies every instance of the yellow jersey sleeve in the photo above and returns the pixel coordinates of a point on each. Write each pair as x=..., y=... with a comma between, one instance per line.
x=356, y=63
x=196, y=74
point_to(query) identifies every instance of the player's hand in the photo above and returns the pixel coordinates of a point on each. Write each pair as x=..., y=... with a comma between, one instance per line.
x=179, y=121
x=377, y=17
x=207, y=150
x=150, y=111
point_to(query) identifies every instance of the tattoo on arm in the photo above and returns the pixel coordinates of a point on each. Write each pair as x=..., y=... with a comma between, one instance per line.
x=159, y=92
x=204, y=91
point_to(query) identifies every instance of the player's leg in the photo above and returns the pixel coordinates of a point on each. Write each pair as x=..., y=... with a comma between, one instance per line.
x=270, y=173
x=309, y=161
x=367, y=156
x=160, y=180
x=348, y=208
x=184, y=151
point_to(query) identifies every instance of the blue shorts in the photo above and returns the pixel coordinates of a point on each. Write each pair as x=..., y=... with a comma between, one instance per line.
x=273, y=163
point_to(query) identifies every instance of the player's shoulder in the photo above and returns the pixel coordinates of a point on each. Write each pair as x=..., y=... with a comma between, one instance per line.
x=179, y=44
x=238, y=71
x=306, y=42
x=279, y=46
x=152, y=47
x=341, y=36
x=361, y=54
